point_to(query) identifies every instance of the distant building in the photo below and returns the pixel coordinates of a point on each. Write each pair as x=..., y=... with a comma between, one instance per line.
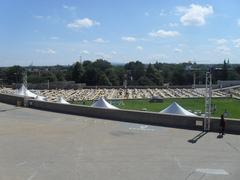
x=222, y=84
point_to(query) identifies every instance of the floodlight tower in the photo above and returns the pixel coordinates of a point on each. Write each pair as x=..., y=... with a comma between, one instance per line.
x=25, y=84
x=194, y=80
x=208, y=99
x=25, y=79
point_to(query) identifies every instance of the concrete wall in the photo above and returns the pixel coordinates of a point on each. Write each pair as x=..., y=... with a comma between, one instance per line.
x=120, y=115
x=12, y=99
x=142, y=117
x=232, y=125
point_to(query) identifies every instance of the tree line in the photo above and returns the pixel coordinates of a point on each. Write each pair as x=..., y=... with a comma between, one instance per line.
x=101, y=72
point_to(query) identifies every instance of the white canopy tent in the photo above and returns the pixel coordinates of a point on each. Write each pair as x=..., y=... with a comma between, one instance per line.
x=175, y=108
x=23, y=91
x=102, y=103
x=62, y=101
x=41, y=98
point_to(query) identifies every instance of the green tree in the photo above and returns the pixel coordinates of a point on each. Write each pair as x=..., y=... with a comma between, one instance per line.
x=154, y=75
x=103, y=79
x=178, y=75
x=87, y=64
x=14, y=74
x=32, y=78
x=102, y=65
x=112, y=76
x=135, y=69
x=225, y=71
x=90, y=76
x=145, y=81
x=77, y=72
x=60, y=75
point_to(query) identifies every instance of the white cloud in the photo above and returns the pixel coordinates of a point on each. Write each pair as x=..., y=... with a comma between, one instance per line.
x=223, y=49
x=51, y=51
x=157, y=57
x=85, y=52
x=70, y=8
x=194, y=14
x=162, y=12
x=46, y=51
x=162, y=33
x=220, y=41
x=146, y=14
x=140, y=48
x=54, y=38
x=39, y=17
x=129, y=39
x=237, y=43
x=82, y=23
x=114, y=52
x=103, y=55
x=100, y=40
x=173, y=24
x=177, y=50
x=85, y=41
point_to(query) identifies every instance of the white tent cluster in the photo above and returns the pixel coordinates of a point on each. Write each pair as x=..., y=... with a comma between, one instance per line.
x=102, y=103
x=62, y=100
x=41, y=98
x=23, y=91
x=175, y=108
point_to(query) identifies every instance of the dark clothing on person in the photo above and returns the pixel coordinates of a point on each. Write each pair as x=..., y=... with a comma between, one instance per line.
x=222, y=125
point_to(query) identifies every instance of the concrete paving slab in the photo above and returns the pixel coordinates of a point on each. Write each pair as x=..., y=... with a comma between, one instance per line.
x=38, y=145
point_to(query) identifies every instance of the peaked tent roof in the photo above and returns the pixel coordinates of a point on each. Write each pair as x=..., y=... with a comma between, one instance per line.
x=175, y=108
x=102, y=103
x=62, y=101
x=23, y=91
x=41, y=98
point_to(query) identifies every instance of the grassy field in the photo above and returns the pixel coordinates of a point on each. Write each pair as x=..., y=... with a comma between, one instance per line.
x=231, y=105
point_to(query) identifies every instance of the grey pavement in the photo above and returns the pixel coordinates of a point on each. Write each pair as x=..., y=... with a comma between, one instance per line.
x=40, y=145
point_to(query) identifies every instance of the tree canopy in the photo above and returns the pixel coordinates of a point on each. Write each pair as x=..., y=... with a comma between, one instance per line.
x=102, y=72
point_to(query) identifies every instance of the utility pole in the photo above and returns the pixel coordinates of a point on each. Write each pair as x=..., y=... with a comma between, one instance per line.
x=208, y=99
x=25, y=89
x=194, y=72
x=48, y=83
x=125, y=81
x=194, y=79
x=25, y=79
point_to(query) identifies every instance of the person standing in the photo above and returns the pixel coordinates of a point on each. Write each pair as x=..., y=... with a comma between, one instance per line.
x=222, y=125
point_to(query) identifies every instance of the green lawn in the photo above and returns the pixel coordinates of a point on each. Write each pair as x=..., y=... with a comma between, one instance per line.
x=231, y=105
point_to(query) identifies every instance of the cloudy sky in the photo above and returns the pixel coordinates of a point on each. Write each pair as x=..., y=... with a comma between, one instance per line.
x=50, y=32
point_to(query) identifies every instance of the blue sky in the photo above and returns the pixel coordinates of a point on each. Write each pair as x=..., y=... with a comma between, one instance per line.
x=50, y=32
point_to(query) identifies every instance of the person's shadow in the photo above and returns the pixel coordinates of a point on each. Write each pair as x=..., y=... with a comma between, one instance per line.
x=197, y=137
x=11, y=109
x=220, y=136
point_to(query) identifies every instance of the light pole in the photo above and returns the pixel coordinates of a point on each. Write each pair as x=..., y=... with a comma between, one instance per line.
x=194, y=80
x=208, y=99
x=48, y=83
x=25, y=89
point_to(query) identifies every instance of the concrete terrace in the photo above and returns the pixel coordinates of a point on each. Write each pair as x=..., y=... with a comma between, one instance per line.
x=44, y=145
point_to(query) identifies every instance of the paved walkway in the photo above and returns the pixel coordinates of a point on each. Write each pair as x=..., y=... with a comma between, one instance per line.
x=40, y=145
